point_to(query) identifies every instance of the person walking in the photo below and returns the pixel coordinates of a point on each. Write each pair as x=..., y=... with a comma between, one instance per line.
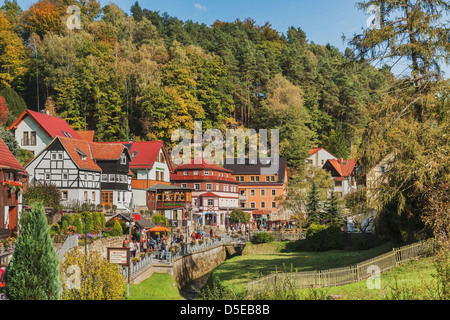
x=164, y=250
x=152, y=244
x=133, y=248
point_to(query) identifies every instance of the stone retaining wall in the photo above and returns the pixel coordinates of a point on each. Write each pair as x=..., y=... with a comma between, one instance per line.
x=100, y=245
x=195, y=265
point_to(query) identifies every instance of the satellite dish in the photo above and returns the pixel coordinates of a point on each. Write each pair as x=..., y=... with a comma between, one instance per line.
x=47, y=112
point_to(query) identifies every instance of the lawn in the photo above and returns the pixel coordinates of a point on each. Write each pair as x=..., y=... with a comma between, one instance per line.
x=158, y=287
x=411, y=275
x=267, y=258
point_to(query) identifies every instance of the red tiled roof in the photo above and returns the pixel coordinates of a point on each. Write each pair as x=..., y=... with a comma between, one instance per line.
x=145, y=153
x=87, y=135
x=106, y=151
x=92, y=150
x=210, y=194
x=201, y=164
x=72, y=145
x=7, y=159
x=313, y=151
x=55, y=127
x=343, y=167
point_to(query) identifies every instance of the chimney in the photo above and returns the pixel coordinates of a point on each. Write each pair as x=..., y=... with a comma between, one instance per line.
x=341, y=160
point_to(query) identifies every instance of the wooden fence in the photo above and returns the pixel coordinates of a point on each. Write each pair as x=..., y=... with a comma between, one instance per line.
x=341, y=276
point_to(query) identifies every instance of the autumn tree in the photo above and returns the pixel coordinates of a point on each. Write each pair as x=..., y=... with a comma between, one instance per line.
x=42, y=17
x=13, y=54
x=410, y=118
x=3, y=111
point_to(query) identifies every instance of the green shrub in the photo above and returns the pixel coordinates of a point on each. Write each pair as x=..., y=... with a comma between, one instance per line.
x=262, y=237
x=117, y=229
x=323, y=238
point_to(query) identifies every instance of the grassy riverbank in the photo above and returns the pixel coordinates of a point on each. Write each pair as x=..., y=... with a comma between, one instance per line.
x=158, y=287
x=267, y=258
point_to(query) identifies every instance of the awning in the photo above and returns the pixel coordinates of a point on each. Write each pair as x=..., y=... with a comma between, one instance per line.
x=210, y=213
x=159, y=229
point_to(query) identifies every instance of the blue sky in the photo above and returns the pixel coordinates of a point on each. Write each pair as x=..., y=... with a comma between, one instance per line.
x=324, y=21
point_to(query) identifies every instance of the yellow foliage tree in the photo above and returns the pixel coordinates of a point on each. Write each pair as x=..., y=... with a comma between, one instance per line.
x=90, y=278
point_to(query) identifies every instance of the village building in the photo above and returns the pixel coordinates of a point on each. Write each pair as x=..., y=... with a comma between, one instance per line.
x=35, y=130
x=150, y=165
x=173, y=202
x=85, y=172
x=12, y=174
x=318, y=157
x=260, y=193
x=343, y=173
x=215, y=191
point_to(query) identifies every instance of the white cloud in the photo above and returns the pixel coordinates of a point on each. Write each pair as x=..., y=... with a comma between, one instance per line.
x=200, y=7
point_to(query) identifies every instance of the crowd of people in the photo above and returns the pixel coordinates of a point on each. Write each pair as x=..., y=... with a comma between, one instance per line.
x=159, y=244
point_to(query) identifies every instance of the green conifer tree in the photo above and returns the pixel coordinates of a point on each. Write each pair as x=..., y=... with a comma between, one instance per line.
x=33, y=273
x=313, y=205
x=333, y=212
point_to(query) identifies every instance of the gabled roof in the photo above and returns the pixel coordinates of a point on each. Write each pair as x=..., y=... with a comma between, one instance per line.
x=144, y=154
x=210, y=194
x=73, y=148
x=85, y=154
x=53, y=126
x=315, y=150
x=87, y=135
x=344, y=168
x=8, y=161
x=106, y=150
x=201, y=164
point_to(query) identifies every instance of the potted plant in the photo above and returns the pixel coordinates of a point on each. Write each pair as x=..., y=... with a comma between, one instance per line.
x=135, y=260
x=149, y=252
x=142, y=256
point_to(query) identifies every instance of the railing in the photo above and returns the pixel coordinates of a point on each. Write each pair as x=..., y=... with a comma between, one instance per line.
x=345, y=275
x=208, y=244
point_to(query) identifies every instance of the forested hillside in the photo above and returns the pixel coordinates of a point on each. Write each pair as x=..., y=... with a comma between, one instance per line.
x=144, y=75
x=141, y=76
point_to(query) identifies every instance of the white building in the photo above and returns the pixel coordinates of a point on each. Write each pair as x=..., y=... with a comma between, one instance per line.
x=85, y=172
x=318, y=157
x=34, y=130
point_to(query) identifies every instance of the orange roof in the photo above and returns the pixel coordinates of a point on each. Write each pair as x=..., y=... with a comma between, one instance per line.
x=91, y=151
x=344, y=167
x=87, y=135
x=76, y=149
x=106, y=151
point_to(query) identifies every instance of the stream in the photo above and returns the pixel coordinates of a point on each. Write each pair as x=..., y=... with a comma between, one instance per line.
x=190, y=291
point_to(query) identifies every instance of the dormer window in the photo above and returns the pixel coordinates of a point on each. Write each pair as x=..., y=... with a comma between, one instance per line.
x=83, y=155
x=123, y=159
x=134, y=154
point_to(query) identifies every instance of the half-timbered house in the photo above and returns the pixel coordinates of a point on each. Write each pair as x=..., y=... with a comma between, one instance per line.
x=85, y=172
x=11, y=175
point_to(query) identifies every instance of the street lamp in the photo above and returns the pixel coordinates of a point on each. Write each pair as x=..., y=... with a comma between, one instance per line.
x=130, y=226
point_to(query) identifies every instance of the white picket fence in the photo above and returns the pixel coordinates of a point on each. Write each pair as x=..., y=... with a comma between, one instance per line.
x=341, y=276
